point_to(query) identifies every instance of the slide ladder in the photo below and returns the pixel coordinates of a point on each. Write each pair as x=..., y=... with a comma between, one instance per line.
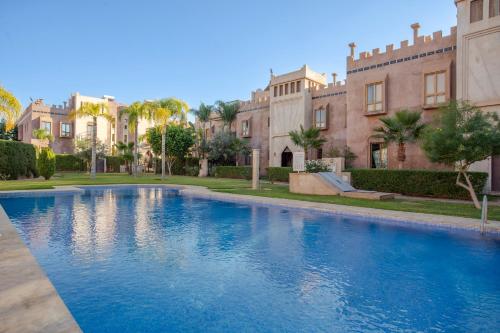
x=334, y=180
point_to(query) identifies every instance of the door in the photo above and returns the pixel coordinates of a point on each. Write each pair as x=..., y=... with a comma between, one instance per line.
x=286, y=158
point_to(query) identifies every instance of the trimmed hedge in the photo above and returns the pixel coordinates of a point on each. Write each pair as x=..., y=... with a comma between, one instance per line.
x=67, y=162
x=189, y=166
x=279, y=174
x=113, y=163
x=46, y=163
x=425, y=183
x=238, y=172
x=17, y=159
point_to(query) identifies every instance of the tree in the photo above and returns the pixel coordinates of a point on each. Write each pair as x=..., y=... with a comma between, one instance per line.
x=462, y=135
x=404, y=127
x=165, y=112
x=10, y=108
x=179, y=140
x=126, y=152
x=224, y=148
x=203, y=114
x=134, y=113
x=93, y=110
x=46, y=163
x=307, y=139
x=227, y=111
x=83, y=150
x=5, y=134
x=43, y=136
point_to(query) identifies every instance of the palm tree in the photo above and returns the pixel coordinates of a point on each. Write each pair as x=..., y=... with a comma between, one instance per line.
x=404, y=127
x=126, y=151
x=165, y=112
x=135, y=112
x=93, y=110
x=227, y=111
x=307, y=139
x=203, y=114
x=10, y=108
x=43, y=136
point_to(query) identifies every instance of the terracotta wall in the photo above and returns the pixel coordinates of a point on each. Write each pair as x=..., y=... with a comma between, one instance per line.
x=402, y=73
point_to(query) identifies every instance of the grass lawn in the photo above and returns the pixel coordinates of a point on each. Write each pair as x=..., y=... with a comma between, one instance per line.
x=244, y=187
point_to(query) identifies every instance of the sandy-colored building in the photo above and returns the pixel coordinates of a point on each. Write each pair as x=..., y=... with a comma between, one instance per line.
x=478, y=65
x=66, y=131
x=420, y=74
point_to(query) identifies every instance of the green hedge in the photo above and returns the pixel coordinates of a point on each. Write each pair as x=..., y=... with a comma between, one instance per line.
x=279, y=174
x=113, y=163
x=238, y=172
x=426, y=183
x=189, y=166
x=66, y=162
x=17, y=159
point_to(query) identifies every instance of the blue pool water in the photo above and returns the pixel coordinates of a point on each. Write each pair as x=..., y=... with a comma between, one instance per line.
x=149, y=260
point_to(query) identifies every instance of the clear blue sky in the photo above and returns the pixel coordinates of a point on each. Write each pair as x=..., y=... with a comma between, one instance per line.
x=194, y=50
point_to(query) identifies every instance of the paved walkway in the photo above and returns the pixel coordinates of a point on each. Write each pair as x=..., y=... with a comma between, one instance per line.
x=28, y=300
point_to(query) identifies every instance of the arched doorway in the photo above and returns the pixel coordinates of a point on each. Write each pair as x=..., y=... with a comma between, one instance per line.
x=286, y=158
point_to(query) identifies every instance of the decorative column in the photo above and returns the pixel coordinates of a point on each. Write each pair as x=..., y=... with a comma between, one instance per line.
x=255, y=169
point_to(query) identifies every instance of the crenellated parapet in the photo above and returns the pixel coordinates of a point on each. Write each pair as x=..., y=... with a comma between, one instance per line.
x=422, y=46
x=337, y=88
x=259, y=100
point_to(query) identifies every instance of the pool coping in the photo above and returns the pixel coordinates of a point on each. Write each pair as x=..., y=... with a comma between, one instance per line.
x=28, y=300
x=30, y=303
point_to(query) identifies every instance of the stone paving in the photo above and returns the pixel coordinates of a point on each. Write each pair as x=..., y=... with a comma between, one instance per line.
x=28, y=300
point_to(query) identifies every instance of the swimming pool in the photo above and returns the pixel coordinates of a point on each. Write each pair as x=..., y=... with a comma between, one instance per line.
x=151, y=260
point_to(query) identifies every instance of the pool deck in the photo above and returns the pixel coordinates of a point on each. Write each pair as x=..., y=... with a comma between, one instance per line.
x=28, y=300
x=30, y=303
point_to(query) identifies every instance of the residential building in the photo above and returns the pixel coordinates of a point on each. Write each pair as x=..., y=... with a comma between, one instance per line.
x=419, y=75
x=67, y=131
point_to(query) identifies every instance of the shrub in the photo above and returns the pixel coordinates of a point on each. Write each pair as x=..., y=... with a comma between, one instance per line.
x=315, y=166
x=17, y=159
x=46, y=163
x=67, y=162
x=279, y=174
x=239, y=172
x=426, y=183
x=113, y=163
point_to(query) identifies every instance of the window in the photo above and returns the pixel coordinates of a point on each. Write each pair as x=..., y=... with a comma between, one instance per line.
x=65, y=129
x=319, y=153
x=113, y=137
x=476, y=10
x=298, y=86
x=245, y=128
x=286, y=88
x=268, y=121
x=374, y=100
x=378, y=152
x=281, y=90
x=125, y=138
x=494, y=8
x=435, y=88
x=275, y=91
x=213, y=129
x=320, y=118
x=90, y=129
x=292, y=88
x=46, y=125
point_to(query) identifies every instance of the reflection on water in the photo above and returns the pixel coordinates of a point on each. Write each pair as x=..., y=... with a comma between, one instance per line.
x=147, y=259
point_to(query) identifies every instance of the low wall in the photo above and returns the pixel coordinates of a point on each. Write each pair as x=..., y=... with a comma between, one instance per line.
x=310, y=183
